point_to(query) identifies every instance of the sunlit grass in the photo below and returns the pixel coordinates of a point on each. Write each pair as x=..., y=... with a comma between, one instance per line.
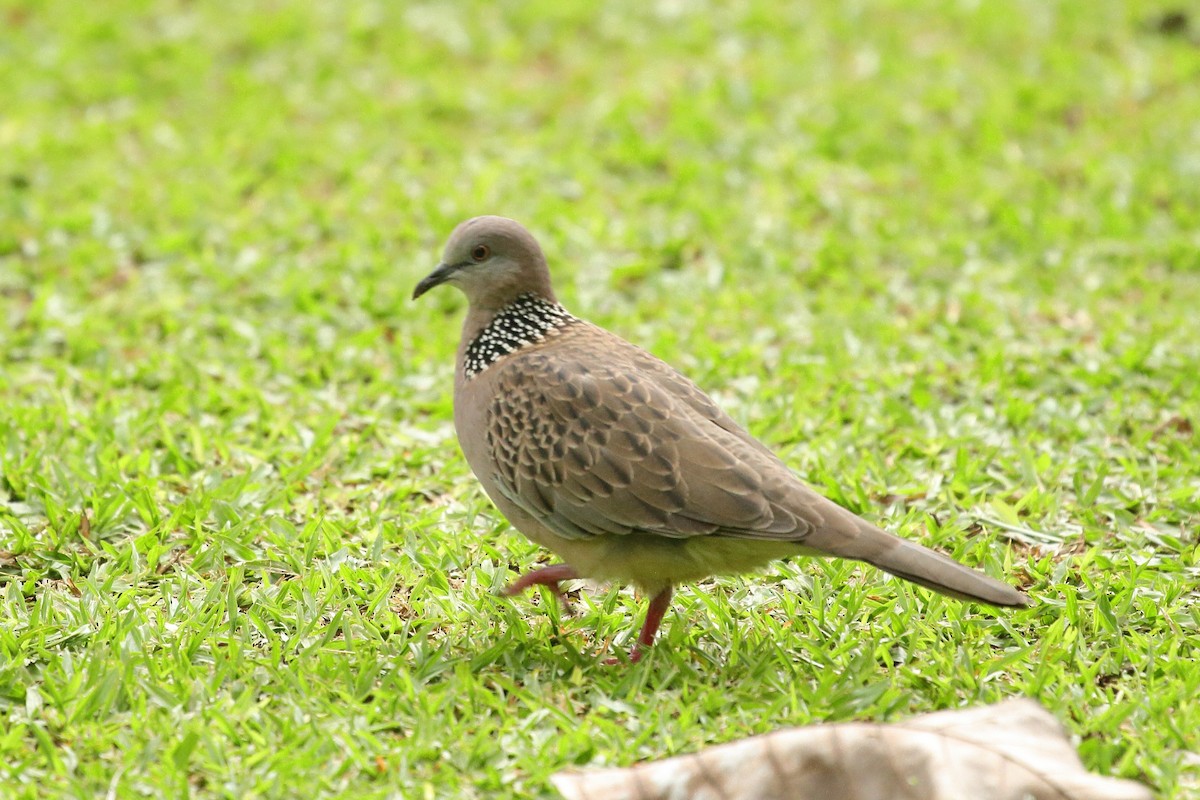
x=942, y=257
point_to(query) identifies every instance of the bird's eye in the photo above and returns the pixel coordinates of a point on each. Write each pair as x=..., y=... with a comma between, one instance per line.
x=480, y=252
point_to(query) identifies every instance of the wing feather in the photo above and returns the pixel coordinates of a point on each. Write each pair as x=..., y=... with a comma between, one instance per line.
x=618, y=442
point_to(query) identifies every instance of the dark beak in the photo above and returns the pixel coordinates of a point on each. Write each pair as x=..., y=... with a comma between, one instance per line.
x=438, y=276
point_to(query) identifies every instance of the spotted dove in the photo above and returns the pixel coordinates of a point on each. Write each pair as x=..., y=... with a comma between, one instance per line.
x=602, y=453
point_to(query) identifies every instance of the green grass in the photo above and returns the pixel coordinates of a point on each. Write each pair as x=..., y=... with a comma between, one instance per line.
x=944, y=257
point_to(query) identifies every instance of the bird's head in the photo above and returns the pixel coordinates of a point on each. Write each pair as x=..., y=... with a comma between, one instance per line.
x=493, y=260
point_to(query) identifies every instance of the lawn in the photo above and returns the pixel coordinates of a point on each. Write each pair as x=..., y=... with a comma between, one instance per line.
x=944, y=257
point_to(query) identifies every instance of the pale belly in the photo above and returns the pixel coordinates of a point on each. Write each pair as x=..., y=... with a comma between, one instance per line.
x=652, y=562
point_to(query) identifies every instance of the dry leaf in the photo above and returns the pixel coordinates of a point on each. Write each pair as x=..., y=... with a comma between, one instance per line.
x=1015, y=750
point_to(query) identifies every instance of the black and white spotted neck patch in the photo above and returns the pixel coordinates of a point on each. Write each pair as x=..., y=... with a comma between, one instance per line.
x=522, y=322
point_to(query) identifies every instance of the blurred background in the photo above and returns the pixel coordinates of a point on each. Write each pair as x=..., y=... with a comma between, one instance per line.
x=944, y=255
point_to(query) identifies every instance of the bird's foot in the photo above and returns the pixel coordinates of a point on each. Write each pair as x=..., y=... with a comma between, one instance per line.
x=549, y=577
x=654, y=616
x=635, y=655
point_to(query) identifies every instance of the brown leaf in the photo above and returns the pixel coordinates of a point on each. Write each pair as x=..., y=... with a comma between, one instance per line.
x=1015, y=750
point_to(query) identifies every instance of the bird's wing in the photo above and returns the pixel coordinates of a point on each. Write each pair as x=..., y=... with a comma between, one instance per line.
x=606, y=439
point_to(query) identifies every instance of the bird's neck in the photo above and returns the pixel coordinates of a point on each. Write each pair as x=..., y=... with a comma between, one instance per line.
x=490, y=335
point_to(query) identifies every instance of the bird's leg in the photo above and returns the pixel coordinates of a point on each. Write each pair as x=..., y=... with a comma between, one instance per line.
x=546, y=576
x=654, y=616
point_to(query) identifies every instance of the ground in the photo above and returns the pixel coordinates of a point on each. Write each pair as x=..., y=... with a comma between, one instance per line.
x=942, y=256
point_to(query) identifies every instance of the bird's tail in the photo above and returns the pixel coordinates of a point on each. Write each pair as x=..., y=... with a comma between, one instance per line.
x=944, y=575
x=849, y=536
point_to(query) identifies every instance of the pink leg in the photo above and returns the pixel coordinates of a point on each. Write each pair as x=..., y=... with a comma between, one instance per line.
x=546, y=576
x=654, y=616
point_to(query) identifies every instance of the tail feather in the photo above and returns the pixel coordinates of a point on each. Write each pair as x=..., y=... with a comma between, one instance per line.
x=849, y=536
x=944, y=575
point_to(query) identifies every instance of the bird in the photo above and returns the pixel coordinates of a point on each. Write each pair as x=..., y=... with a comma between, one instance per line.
x=618, y=464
